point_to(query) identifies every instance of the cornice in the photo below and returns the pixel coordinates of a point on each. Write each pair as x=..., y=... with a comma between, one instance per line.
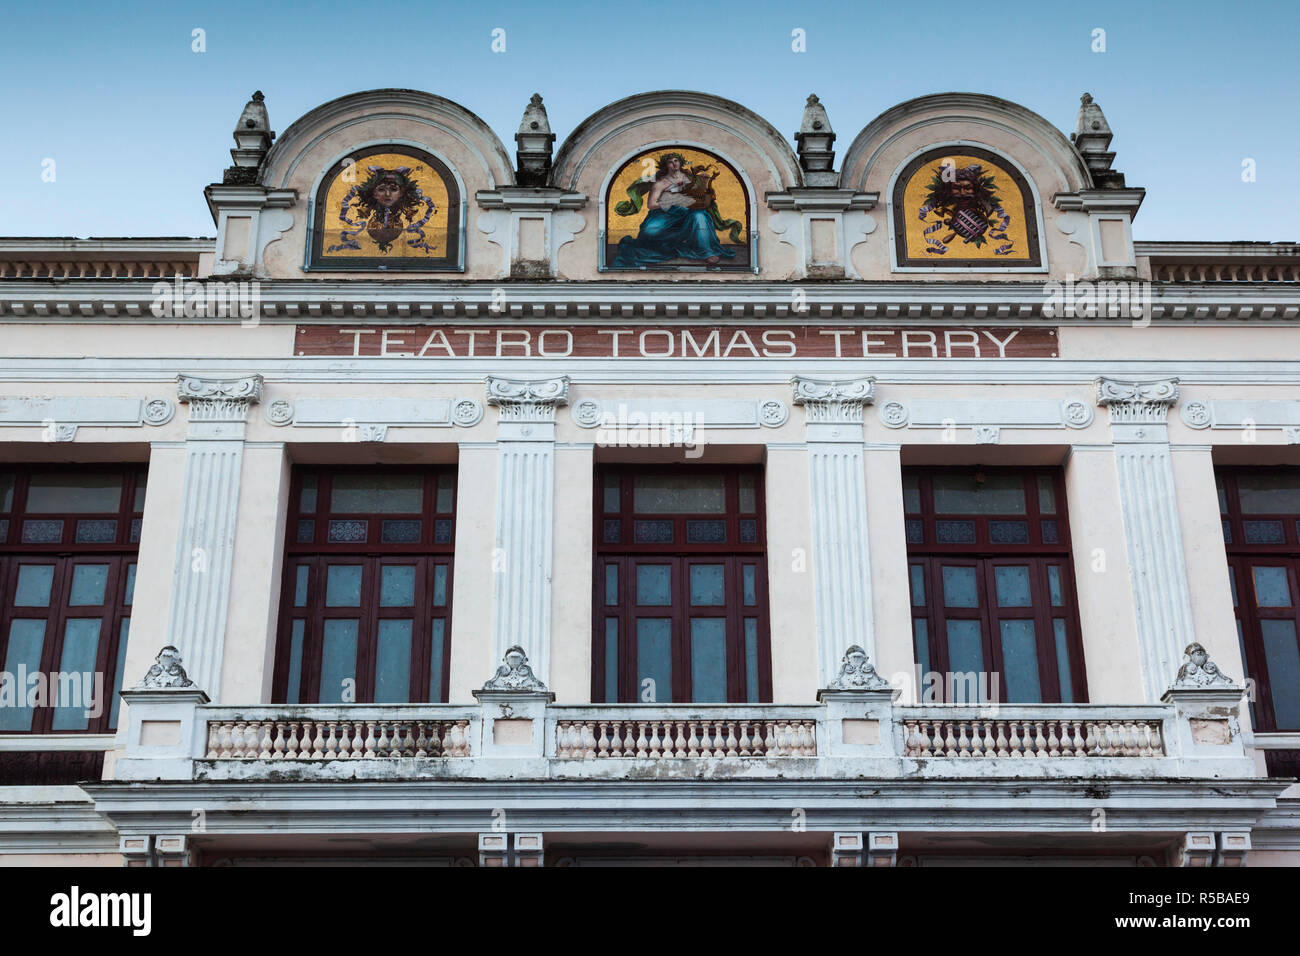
x=392, y=302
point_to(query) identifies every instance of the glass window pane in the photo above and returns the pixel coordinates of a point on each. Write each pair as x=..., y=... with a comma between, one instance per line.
x=712, y=531
x=654, y=584
x=963, y=495
x=397, y=585
x=1271, y=588
x=26, y=641
x=1263, y=532
x=1051, y=531
x=1222, y=488
x=915, y=529
x=917, y=573
x=442, y=531
x=437, y=654
x=965, y=661
x=1012, y=583
x=343, y=585
x=348, y=532
x=911, y=494
x=611, y=584
x=306, y=531
x=141, y=485
x=96, y=531
x=1009, y=532
x=1232, y=583
x=1282, y=658
x=43, y=531
x=751, y=660
x=401, y=531
x=445, y=502
x=955, y=532
x=6, y=492
x=679, y=494
x=89, y=582
x=1046, y=495
x=611, y=659
x=708, y=659
x=77, y=492
x=654, y=660
x=117, y=674
x=707, y=588
x=1063, y=675
x=921, y=644
x=440, y=585
x=1273, y=493
x=338, y=670
x=612, y=531
x=748, y=495
x=307, y=503
x=959, y=588
x=301, y=573
x=73, y=693
x=1054, y=585
x=749, y=531
x=130, y=585
x=295, y=663
x=652, y=532
x=34, y=582
x=384, y=494
x=749, y=584
x=612, y=492
x=1020, y=663
x=393, y=662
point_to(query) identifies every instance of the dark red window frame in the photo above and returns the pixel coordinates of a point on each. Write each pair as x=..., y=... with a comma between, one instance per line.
x=1046, y=545
x=1251, y=545
x=64, y=555
x=622, y=551
x=310, y=548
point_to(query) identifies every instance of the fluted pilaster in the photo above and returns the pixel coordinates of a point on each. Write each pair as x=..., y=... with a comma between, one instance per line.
x=205, y=542
x=525, y=513
x=841, y=563
x=1157, y=571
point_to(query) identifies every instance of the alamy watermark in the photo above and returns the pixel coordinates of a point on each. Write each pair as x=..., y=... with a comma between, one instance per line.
x=208, y=299
x=1099, y=299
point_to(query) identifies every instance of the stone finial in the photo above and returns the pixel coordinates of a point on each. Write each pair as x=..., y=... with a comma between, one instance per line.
x=1091, y=137
x=535, y=141
x=515, y=674
x=857, y=672
x=254, y=118
x=815, y=139
x=252, y=140
x=1198, y=671
x=166, y=672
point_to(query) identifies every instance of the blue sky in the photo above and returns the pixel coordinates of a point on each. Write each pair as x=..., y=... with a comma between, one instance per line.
x=137, y=123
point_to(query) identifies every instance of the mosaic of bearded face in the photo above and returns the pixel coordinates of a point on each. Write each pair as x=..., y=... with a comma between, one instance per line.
x=389, y=208
x=964, y=207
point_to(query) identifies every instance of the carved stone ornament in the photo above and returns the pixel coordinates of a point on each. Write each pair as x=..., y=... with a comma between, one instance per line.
x=1199, y=671
x=1195, y=415
x=833, y=401
x=1137, y=402
x=857, y=672
x=466, y=412
x=515, y=674
x=158, y=411
x=279, y=412
x=219, y=399
x=166, y=672
x=528, y=401
x=773, y=414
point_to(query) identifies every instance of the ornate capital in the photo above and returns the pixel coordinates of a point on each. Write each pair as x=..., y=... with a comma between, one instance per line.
x=219, y=399
x=857, y=672
x=1137, y=403
x=166, y=672
x=1198, y=671
x=516, y=675
x=838, y=402
x=528, y=401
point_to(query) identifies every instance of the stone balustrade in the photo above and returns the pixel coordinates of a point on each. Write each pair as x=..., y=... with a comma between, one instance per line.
x=726, y=732
x=346, y=732
x=1044, y=730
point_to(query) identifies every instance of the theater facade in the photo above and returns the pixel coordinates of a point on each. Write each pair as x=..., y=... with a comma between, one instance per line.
x=671, y=497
